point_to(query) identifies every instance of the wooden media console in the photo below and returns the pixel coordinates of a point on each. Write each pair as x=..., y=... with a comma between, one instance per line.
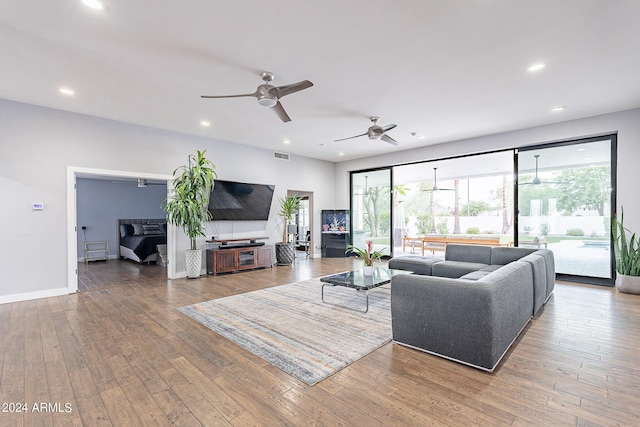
x=239, y=254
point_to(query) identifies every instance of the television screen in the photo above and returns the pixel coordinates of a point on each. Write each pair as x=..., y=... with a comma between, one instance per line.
x=240, y=201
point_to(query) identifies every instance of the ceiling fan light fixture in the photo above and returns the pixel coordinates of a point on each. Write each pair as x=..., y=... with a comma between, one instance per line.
x=536, y=67
x=94, y=4
x=268, y=100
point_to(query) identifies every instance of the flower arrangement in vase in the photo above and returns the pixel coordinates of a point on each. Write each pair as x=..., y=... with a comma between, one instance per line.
x=368, y=255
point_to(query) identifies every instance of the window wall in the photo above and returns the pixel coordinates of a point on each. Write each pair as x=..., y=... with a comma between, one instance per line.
x=465, y=197
x=565, y=201
x=371, y=199
x=554, y=196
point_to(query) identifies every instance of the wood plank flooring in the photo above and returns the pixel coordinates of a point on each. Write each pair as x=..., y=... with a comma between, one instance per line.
x=121, y=354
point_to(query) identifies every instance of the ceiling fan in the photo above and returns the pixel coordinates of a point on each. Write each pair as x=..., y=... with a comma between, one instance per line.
x=269, y=96
x=536, y=180
x=376, y=132
x=367, y=191
x=435, y=183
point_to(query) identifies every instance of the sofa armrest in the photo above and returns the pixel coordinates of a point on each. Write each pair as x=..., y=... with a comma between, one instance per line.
x=470, y=322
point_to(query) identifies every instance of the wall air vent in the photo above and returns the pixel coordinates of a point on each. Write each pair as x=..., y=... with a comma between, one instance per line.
x=281, y=156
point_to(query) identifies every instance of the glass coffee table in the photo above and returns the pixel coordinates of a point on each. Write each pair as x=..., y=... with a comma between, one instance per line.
x=361, y=283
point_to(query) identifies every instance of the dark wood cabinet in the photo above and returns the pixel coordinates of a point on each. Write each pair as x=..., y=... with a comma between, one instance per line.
x=226, y=260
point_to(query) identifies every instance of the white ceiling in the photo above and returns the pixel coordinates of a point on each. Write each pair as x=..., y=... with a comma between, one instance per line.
x=446, y=70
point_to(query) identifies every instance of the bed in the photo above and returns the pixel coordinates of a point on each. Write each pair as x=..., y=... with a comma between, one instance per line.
x=139, y=238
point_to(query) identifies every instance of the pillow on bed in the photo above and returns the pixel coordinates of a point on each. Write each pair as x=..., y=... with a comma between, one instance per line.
x=126, y=230
x=152, y=229
x=138, y=229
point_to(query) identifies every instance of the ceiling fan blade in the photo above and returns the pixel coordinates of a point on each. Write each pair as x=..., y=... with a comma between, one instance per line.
x=285, y=90
x=387, y=138
x=388, y=127
x=279, y=109
x=351, y=137
x=254, y=94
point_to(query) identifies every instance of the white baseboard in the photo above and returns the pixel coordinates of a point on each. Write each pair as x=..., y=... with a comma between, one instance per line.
x=5, y=299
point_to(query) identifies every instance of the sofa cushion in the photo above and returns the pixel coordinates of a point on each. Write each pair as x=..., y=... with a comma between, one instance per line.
x=504, y=255
x=468, y=253
x=538, y=265
x=491, y=268
x=455, y=269
x=550, y=268
x=475, y=275
x=416, y=263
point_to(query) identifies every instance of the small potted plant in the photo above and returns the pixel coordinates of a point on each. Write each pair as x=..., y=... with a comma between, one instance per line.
x=627, y=253
x=368, y=255
x=288, y=207
x=187, y=206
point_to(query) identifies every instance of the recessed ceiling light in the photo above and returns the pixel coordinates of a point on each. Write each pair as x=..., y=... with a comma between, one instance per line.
x=558, y=108
x=536, y=67
x=205, y=123
x=341, y=154
x=66, y=91
x=286, y=141
x=421, y=137
x=93, y=4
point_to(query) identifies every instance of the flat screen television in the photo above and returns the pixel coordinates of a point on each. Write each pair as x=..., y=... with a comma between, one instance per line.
x=240, y=201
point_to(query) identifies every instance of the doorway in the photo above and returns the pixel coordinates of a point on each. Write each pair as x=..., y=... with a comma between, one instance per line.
x=302, y=224
x=73, y=173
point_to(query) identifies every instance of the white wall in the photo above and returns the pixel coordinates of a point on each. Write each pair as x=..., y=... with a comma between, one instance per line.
x=625, y=123
x=37, y=145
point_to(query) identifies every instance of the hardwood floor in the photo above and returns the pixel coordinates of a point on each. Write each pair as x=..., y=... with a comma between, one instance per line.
x=120, y=353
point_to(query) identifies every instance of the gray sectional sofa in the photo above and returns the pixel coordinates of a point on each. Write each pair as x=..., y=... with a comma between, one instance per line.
x=471, y=306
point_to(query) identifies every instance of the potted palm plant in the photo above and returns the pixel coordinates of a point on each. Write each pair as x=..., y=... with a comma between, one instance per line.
x=288, y=207
x=627, y=253
x=187, y=206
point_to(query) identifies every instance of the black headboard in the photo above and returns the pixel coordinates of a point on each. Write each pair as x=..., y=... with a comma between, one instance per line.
x=136, y=221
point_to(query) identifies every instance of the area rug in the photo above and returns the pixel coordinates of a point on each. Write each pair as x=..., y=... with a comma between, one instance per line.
x=290, y=327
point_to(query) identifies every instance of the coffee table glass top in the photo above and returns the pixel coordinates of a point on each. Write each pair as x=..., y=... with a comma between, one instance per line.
x=356, y=279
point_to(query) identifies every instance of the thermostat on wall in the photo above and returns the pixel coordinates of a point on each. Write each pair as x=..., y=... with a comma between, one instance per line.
x=38, y=206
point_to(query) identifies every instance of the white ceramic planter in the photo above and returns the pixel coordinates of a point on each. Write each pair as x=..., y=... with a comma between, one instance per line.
x=628, y=284
x=368, y=270
x=194, y=263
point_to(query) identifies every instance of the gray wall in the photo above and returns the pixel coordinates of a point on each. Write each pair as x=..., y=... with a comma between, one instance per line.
x=101, y=202
x=38, y=146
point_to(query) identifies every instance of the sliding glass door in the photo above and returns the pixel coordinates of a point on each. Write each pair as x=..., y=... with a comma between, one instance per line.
x=371, y=200
x=565, y=201
x=467, y=197
x=557, y=196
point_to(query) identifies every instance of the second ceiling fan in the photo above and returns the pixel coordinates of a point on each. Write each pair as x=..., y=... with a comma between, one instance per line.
x=435, y=187
x=536, y=179
x=269, y=95
x=376, y=131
